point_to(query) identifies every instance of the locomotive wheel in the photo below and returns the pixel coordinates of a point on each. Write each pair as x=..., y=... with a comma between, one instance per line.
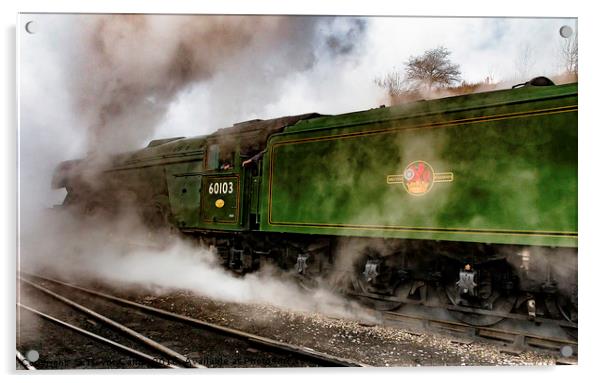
x=561, y=308
x=568, y=311
x=499, y=304
x=340, y=282
x=360, y=286
x=308, y=278
x=306, y=283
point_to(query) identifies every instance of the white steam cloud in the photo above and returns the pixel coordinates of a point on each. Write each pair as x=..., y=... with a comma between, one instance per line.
x=123, y=254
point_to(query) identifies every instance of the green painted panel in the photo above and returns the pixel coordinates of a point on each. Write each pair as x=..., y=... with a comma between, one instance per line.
x=503, y=174
x=185, y=199
x=183, y=184
x=220, y=199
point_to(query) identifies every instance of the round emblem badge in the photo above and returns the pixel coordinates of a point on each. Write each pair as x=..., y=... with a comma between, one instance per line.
x=418, y=178
x=219, y=203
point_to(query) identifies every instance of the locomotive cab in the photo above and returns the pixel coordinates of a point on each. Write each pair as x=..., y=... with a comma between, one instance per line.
x=221, y=203
x=225, y=189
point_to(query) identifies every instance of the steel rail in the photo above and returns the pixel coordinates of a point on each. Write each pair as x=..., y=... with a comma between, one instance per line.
x=483, y=328
x=468, y=310
x=306, y=352
x=512, y=341
x=24, y=362
x=97, y=337
x=134, y=334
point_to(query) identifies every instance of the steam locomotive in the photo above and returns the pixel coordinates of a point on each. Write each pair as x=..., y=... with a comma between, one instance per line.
x=469, y=200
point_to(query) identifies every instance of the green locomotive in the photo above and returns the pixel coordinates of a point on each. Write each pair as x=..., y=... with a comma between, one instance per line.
x=474, y=196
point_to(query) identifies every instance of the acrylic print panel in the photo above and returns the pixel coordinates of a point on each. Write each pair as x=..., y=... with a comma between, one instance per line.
x=291, y=191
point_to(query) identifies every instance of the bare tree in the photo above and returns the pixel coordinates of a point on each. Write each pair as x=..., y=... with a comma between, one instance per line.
x=490, y=78
x=432, y=69
x=568, y=55
x=392, y=82
x=524, y=62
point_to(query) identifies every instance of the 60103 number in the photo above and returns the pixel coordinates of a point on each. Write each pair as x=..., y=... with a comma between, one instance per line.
x=221, y=187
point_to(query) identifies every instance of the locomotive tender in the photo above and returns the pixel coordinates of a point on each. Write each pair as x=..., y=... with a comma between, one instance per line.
x=473, y=196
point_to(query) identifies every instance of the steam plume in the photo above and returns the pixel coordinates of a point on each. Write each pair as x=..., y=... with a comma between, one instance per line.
x=132, y=67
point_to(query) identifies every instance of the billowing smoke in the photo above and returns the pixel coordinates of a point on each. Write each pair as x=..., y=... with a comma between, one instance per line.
x=132, y=67
x=122, y=75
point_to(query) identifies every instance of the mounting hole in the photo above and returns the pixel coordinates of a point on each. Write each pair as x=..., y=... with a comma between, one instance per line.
x=32, y=355
x=566, y=31
x=31, y=27
x=566, y=351
x=184, y=191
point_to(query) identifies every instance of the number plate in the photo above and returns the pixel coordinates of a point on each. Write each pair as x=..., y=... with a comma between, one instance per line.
x=220, y=199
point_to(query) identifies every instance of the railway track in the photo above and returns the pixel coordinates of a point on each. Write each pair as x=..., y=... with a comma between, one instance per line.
x=160, y=338
x=515, y=334
x=151, y=360
x=23, y=362
x=413, y=318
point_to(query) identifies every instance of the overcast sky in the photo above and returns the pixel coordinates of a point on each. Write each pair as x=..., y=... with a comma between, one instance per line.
x=482, y=47
x=256, y=84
